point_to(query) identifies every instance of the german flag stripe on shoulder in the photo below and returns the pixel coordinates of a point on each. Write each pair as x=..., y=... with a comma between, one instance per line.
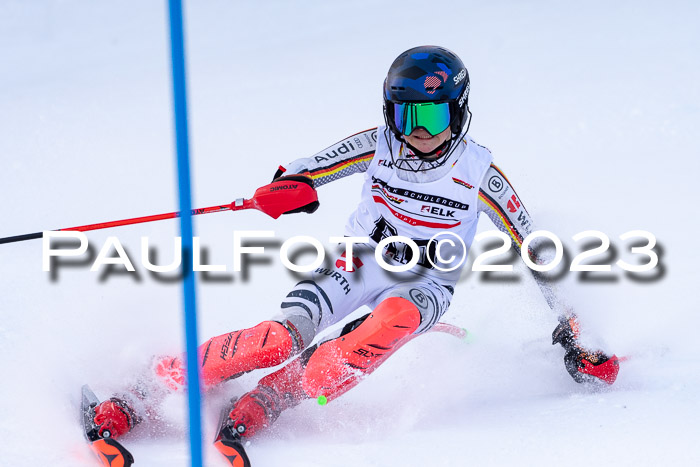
x=341, y=165
x=510, y=228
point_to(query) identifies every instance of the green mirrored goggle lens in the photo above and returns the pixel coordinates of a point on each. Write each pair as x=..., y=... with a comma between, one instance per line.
x=435, y=118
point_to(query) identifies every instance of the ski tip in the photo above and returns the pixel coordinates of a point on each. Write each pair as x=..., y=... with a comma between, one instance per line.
x=111, y=453
x=233, y=452
x=87, y=393
x=322, y=400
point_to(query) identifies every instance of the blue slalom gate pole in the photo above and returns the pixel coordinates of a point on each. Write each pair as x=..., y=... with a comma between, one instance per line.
x=183, y=169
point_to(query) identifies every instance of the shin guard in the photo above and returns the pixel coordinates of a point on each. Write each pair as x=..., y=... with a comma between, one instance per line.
x=230, y=355
x=339, y=364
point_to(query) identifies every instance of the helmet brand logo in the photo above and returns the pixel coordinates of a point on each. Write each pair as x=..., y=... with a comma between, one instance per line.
x=462, y=74
x=464, y=96
x=433, y=82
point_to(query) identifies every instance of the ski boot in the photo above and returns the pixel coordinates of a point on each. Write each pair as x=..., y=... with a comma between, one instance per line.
x=229, y=443
x=258, y=409
x=114, y=418
x=102, y=423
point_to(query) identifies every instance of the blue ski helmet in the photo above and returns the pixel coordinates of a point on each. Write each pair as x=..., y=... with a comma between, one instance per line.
x=426, y=87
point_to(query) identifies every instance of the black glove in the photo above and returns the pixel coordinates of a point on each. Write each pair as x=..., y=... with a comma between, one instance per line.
x=583, y=365
x=566, y=333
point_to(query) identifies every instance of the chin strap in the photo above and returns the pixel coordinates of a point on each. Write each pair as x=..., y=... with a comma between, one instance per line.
x=444, y=147
x=445, y=150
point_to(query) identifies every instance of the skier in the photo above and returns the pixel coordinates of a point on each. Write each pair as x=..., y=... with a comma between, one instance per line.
x=423, y=176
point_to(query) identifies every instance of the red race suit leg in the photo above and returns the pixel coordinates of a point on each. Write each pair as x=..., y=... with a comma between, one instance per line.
x=331, y=368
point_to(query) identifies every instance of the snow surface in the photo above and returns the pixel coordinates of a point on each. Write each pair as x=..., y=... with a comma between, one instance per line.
x=591, y=108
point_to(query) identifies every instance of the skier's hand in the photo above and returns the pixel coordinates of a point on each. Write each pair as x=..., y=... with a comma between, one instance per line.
x=567, y=332
x=582, y=364
x=587, y=366
x=312, y=197
x=294, y=167
x=280, y=171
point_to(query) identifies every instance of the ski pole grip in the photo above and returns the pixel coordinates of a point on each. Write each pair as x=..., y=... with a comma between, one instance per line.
x=286, y=195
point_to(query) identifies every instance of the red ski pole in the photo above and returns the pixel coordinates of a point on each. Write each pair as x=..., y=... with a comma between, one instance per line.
x=291, y=193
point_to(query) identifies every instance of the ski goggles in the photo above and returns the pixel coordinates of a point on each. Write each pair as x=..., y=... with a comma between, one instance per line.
x=435, y=118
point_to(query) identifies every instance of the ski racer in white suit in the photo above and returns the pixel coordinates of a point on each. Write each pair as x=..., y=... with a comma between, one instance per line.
x=423, y=176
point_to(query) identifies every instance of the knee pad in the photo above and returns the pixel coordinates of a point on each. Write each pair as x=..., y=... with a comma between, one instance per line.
x=302, y=311
x=432, y=302
x=301, y=328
